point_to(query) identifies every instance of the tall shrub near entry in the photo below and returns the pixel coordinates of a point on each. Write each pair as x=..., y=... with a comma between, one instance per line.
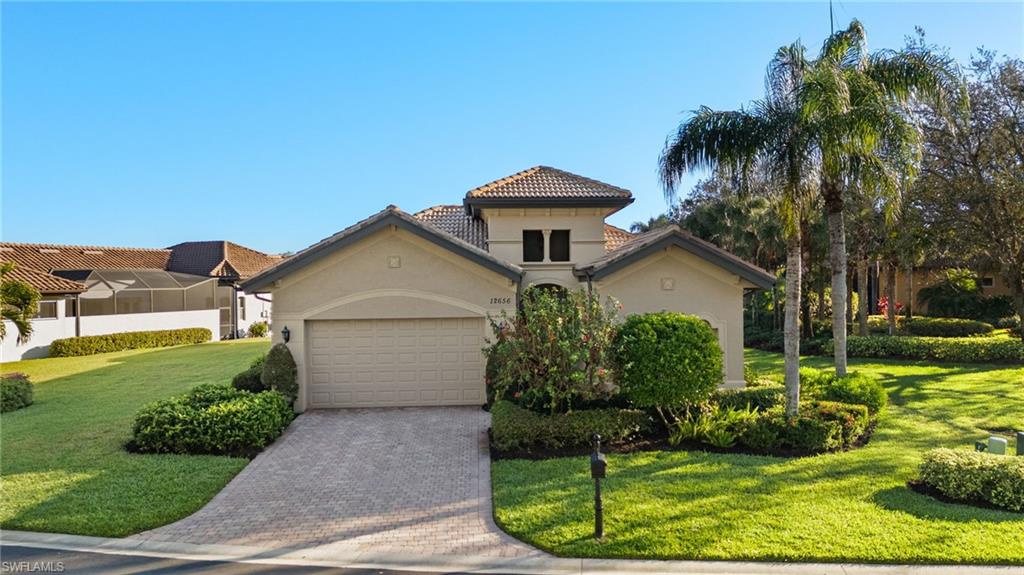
x=667, y=361
x=554, y=352
x=280, y=372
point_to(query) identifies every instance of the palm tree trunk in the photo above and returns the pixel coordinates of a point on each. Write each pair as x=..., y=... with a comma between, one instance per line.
x=791, y=331
x=837, y=259
x=862, y=291
x=890, y=295
x=1018, y=299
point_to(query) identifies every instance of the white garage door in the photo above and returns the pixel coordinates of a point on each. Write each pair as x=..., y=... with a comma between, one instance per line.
x=396, y=362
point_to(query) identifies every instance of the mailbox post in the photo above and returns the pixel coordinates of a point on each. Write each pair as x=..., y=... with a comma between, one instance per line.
x=598, y=466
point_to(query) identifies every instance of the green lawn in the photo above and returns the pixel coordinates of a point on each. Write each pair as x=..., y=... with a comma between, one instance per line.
x=851, y=506
x=62, y=464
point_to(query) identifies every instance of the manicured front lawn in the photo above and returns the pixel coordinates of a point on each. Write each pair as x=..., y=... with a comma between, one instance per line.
x=851, y=506
x=61, y=459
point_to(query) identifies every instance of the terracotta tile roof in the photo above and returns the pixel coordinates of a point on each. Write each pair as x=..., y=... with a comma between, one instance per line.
x=218, y=259
x=614, y=237
x=543, y=182
x=46, y=284
x=455, y=221
x=48, y=257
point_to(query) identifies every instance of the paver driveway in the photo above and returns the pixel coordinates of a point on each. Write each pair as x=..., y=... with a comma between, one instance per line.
x=404, y=480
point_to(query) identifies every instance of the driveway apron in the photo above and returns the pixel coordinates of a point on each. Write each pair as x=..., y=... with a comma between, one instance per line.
x=402, y=480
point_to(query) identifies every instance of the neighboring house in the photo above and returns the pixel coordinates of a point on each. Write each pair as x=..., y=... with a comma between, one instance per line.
x=90, y=290
x=910, y=283
x=392, y=310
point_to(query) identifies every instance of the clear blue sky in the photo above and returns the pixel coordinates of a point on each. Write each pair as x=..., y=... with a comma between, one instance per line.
x=275, y=125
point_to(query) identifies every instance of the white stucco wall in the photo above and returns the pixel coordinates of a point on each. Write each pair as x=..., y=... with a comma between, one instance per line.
x=47, y=330
x=255, y=310
x=43, y=332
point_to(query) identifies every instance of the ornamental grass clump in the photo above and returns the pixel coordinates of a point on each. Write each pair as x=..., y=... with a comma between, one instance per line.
x=555, y=353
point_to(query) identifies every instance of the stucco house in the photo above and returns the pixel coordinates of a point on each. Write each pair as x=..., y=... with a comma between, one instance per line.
x=392, y=310
x=90, y=290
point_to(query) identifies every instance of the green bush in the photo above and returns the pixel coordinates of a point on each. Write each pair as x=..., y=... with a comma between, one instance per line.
x=765, y=396
x=93, y=344
x=513, y=427
x=959, y=349
x=667, y=360
x=947, y=327
x=772, y=430
x=252, y=378
x=259, y=329
x=971, y=476
x=858, y=389
x=15, y=392
x=211, y=419
x=853, y=419
x=280, y=372
x=554, y=354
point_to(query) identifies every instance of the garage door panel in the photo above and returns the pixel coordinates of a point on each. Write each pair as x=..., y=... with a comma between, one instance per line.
x=368, y=363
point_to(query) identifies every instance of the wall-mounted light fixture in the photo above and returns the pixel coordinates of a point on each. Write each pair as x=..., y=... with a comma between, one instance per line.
x=286, y=334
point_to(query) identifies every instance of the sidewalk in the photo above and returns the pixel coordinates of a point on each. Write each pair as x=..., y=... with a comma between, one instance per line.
x=326, y=556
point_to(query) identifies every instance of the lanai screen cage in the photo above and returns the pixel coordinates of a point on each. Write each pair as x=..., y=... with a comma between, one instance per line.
x=122, y=291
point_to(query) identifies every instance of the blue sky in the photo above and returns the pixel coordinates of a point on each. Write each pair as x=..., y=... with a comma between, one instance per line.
x=275, y=125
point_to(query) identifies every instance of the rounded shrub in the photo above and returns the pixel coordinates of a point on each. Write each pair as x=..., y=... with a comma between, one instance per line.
x=252, y=378
x=280, y=372
x=15, y=392
x=857, y=389
x=259, y=329
x=667, y=360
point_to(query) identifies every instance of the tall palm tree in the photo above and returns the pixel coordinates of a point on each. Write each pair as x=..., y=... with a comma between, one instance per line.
x=18, y=303
x=769, y=136
x=859, y=109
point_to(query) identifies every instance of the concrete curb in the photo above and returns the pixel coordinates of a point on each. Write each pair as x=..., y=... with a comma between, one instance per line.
x=327, y=556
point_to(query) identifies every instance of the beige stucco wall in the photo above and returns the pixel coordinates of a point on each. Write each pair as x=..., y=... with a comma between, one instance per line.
x=390, y=274
x=675, y=280
x=586, y=239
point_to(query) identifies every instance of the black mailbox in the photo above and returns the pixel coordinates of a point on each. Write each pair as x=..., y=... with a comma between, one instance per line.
x=598, y=465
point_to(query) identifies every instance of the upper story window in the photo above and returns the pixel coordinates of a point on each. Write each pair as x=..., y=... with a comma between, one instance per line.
x=533, y=246
x=540, y=243
x=559, y=250
x=988, y=282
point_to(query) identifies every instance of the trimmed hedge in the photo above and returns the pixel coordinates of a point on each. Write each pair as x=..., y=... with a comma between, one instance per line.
x=762, y=397
x=252, y=378
x=15, y=392
x=930, y=326
x=513, y=427
x=972, y=476
x=954, y=349
x=820, y=426
x=93, y=344
x=212, y=419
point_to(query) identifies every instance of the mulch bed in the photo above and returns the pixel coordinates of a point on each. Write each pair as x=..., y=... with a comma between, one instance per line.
x=923, y=488
x=658, y=442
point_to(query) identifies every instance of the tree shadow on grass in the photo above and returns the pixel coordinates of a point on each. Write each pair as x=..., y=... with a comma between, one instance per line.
x=905, y=500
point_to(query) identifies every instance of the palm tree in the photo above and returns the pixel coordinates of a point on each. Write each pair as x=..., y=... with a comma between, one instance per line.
x=771, y=137
x=859, y=109
x=18, y=303
x=660, y=221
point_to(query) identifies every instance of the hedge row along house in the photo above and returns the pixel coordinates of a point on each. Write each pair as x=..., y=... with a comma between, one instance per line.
x=392, y=310
x=89, y=290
